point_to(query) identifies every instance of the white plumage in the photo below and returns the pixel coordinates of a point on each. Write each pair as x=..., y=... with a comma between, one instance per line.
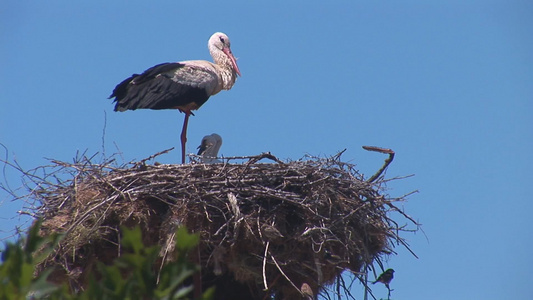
x=208, y=149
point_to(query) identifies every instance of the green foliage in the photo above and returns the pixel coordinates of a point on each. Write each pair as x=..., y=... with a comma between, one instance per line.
x=19, y=259
x=134, y=275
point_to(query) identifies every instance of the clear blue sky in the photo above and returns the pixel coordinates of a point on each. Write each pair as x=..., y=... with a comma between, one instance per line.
x=448, y=85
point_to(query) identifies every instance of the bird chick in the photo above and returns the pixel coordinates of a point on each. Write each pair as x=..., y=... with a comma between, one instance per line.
x=209, y=147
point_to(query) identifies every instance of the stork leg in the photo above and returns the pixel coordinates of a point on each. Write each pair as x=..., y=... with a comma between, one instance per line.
x=184, y=135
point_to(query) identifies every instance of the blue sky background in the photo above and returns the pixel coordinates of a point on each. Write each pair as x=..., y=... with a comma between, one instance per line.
x=447, y=84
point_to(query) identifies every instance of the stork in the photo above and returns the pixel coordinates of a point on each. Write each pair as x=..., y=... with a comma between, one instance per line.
x=185, y=85
x=209, y=147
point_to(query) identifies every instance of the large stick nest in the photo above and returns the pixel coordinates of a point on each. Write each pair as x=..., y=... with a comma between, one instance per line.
x=266, y=228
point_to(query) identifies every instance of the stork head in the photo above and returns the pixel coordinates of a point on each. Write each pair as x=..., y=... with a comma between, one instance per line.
x=220, y=42
x=210, y=145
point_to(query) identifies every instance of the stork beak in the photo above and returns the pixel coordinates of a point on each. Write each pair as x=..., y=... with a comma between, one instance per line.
x=202, y=147
x=228, y=53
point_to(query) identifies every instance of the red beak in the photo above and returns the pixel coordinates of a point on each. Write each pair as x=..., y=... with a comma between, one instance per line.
x=233, y=60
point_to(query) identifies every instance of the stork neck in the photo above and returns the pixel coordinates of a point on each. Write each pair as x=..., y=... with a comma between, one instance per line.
x=227, y=72
x=228, y=75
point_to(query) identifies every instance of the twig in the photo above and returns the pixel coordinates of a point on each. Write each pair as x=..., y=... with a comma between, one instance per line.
x=283, y=273
x=385, y=165
x=337, y=157
x=264, y=267
x=103, y=133
x=256, y=158
x=251, y=158
x=142, y=161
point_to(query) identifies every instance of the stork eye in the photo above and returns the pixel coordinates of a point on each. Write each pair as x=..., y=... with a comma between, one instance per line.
x=222, y=40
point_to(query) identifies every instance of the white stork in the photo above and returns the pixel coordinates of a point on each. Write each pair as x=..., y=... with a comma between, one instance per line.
x=182, y=85
x=209, y=147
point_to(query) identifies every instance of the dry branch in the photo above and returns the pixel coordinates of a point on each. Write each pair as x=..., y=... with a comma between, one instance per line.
x=385, y=164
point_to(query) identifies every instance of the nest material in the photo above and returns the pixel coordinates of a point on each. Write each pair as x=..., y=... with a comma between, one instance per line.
x=266, y=228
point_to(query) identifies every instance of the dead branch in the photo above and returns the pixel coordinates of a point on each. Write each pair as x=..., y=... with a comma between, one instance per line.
x=143, y=161
x=385, y=165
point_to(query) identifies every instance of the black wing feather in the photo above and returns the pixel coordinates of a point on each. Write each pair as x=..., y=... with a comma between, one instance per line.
x=156, y=89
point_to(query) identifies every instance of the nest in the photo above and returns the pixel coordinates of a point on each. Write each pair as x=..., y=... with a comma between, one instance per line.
x=266, y=229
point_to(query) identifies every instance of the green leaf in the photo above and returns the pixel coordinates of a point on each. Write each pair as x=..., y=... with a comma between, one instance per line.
x=186, y=241
x=208, y=294
x=132, y=239
x=133, y=275
x=41, y=288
